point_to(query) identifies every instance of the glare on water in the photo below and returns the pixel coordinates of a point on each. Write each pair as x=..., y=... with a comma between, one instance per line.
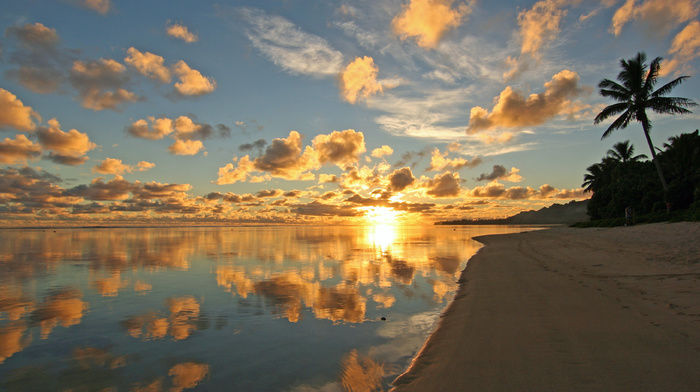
x=321, y=308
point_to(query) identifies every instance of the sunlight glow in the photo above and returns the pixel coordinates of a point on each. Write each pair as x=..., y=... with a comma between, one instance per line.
x=380, y=215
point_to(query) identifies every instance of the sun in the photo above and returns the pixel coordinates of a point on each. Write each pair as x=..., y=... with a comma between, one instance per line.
x=380, y=215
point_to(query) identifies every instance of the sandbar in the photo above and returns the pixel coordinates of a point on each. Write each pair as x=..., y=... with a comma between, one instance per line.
x=567, y=309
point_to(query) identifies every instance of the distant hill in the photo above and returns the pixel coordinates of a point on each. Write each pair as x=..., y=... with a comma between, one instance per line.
x=563, y=214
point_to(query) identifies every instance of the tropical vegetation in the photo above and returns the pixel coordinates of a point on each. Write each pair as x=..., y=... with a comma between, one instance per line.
x=622, y=179
x=635, y=95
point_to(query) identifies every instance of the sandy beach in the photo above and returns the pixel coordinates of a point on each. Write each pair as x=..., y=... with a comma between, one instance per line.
x=564, y=309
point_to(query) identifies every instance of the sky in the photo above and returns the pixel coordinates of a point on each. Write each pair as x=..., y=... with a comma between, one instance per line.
x=297, y=111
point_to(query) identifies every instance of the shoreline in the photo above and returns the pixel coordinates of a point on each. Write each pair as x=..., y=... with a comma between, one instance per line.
x=566, y=309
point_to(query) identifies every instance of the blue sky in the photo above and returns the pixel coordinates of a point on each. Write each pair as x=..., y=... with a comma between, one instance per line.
x=317, y=111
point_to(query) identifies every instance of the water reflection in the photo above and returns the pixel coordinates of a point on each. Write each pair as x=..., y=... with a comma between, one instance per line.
x=130, y=309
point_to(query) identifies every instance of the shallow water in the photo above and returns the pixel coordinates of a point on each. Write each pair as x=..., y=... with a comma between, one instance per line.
x=285, y=308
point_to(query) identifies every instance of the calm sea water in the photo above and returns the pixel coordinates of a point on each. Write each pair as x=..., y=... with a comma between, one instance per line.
x=223, y=309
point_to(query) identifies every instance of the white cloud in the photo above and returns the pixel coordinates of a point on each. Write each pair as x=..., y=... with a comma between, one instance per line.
x=286, y=45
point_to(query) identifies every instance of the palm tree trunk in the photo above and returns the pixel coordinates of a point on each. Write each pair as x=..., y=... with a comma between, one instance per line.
x=654, y=159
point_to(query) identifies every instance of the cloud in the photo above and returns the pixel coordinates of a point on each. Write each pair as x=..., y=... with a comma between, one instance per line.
x=115, y=189
x=359, y=78
x=513, y=110
x=67, y=148
x=428, y=20
x=501, y=173
x=443, y=185
x=13, y=113
x=19, y=150
x=100, y=84
x=497, y=190
x=99, y=6
x=284, y=157
x=290, y=48
x=148, y=64
x=180, y=31
x=685, y=48
x=158, y=128
x=339, y=148
x=188, y=135
x=256, y=145
x=440, y=162
x=192, y=82
x=657, y=14
x=34, y=36
x=186, y=147
x=316, y=208
x=540, y=24
x=41, y=63
x=115, y=166
x=401, y=179
x=382, y=151
x=231, y=174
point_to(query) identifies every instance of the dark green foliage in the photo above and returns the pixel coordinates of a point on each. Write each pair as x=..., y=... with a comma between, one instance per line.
x=621, y=180
x=635, y=94
x=681, y=163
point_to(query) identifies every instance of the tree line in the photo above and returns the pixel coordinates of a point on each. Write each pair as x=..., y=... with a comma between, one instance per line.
x=671, y=180
x=622, y=179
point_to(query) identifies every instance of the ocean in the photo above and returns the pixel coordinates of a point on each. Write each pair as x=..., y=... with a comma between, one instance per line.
x=275, y=308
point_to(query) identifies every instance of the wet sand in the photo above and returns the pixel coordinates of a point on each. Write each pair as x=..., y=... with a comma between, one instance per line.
x=563, y=309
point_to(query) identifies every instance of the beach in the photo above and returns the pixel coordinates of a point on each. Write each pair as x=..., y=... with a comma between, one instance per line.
x=566, y=309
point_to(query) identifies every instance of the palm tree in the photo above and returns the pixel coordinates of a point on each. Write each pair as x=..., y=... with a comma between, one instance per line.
x=624, y=152
x=635, y=95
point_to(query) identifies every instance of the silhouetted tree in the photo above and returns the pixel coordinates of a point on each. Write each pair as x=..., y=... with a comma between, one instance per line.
x=624, y=152
x=635, y=94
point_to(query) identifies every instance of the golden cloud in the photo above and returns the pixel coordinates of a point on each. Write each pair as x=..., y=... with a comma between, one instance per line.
x=284, y=157
x=359, y=78
x=15, y=114
x=443, y=185
x=34, y=35
x=539, y=24
x=19, y=150
x=440, y=162
x=513, y=109
x=115, y=166
x=99, y=84
x=382, y=151
x=68, y=148
x=501, y=173
x=148, y=64
x=181, y=32
x=158, y=128
x=400, y=179
x=192, y=82
x=660, y=16
x=100, y=6
x=685, y=48
x=339, y=148
x=497, y=190
x=428, y=20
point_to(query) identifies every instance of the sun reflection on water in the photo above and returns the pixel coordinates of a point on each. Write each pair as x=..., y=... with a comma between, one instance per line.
x=382, y=236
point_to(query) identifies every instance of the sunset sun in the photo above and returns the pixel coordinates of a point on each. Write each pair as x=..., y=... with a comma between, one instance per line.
x=380, y=215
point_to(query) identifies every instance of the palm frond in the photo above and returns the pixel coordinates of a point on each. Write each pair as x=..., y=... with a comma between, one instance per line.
x=652, y=74
x=620, y=122
x=670, y=105
x=665, y=89
x=610, y=111
x=616, y=95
